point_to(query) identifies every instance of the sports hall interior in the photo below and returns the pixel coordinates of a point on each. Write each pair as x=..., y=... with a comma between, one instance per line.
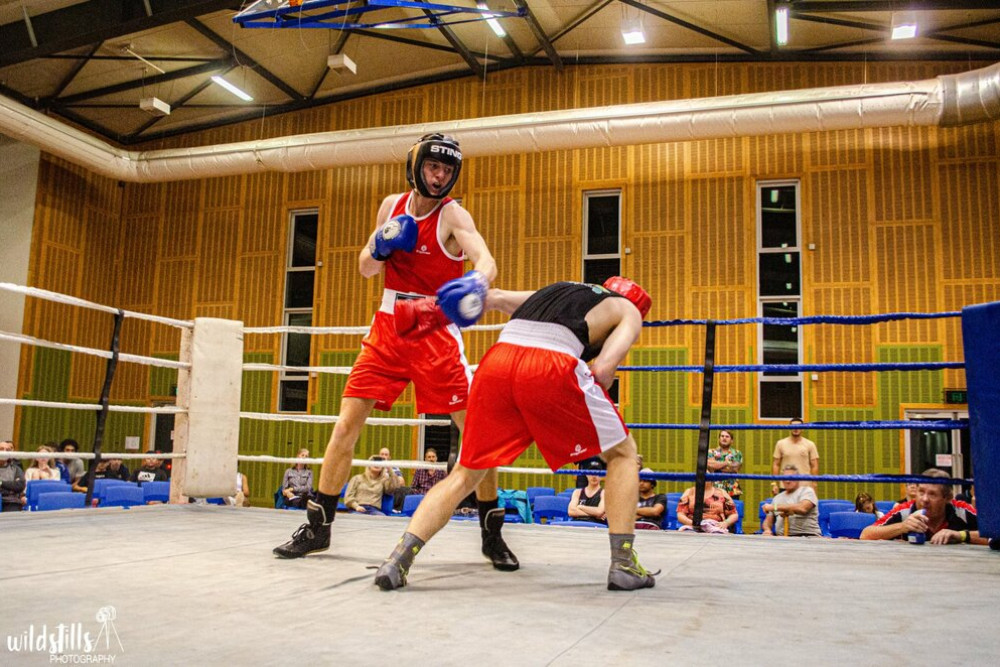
x=897, y=219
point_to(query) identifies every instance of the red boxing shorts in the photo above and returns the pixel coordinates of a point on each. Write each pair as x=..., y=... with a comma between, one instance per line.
x=435, y=364
x=532, y=386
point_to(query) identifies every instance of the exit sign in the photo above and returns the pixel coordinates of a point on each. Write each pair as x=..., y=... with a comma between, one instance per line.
x=956, y=396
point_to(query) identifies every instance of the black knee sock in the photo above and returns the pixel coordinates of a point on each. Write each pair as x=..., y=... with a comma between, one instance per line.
x=484, y=508
x=328, y=503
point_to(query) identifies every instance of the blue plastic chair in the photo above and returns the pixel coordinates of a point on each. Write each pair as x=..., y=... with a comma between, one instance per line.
x=675, y=496
x=849, y=524
x=123, y=495
x=216, y=501
x=61, y=500
x=550, y=509
x=738, y=526
x=387, y=503
x=410, y=503
x=885, y=506
x=38, y=487
x=156, y=492
x=102, y=485
x=535, y=491
x=670, y=516
x=827, y=507
x=566, y=493
x=762, y=516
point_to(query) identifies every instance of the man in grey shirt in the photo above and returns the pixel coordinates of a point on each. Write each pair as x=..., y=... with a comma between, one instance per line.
x=797, y=504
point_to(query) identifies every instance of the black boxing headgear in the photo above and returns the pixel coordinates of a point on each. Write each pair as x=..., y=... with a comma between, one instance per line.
x=436, y=146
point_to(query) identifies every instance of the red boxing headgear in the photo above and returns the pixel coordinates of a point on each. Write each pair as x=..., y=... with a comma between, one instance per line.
x=632, y=291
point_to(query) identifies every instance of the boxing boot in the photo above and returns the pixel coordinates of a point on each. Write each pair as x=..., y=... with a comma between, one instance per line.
x=311, y=537
x=494, y=547
x=392, y=573
x=626, y=574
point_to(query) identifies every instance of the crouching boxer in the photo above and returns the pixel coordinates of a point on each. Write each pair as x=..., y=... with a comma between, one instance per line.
x=534, y=385
x=420, y=242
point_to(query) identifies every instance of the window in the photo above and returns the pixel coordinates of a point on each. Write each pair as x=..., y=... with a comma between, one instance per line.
x=779, y=295
x=602, y=236
x=300, y=275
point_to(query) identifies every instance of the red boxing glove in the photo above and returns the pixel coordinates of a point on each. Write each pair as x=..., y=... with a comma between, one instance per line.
x=416, y=318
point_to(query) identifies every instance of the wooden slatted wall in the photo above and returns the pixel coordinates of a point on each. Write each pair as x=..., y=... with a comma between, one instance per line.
x=901, y=219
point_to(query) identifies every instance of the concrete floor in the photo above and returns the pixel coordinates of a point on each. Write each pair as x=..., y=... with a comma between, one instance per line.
x=197, y=585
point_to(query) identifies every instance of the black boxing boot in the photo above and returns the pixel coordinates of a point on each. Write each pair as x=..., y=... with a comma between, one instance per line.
x=626, y=574
x=494, y=548
x=314, y=535
x=392, y=573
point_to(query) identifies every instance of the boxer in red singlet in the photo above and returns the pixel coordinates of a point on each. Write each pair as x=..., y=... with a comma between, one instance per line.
x=421, y=240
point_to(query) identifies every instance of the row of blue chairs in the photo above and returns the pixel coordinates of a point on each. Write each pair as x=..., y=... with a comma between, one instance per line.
x=846, y=527
x=107, y=493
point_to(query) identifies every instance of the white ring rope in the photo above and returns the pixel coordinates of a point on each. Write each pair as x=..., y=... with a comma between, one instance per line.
x=93, y=407
x=74, y=301
x=105, y=354
x=339, y=370
x=319, y=331
x=333, y=419
x=391, y=463
x=87, y=456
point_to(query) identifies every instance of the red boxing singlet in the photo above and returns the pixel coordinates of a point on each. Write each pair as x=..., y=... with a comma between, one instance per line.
x=430, y=265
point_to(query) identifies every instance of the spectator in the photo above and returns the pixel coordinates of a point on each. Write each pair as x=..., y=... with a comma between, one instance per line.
x=387, y=456
x=242, y=495
x=11, y=481
x=593, y=463
x=424, y=479
x=365, y=490
x=652, y=506
x=797, y=504
x=718, y=514
x=15, y=462
x=150, y=471
x=74, y=467
x=297, y=484
x=100, y=472
x=587, y=503
x=118, y=470
x=60, y=467
x=796, y=451
x=42, y=468
x=911, y=494
x=864, y=504
x=726, y=458
x=944, y=520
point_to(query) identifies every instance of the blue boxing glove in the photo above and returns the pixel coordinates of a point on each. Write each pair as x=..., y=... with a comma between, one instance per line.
x=399, y=233
x=464, y=299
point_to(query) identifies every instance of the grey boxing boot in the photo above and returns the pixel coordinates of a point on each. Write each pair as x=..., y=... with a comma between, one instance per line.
x=311, y=537
x=392, y=574
x=626, y=574
x=494, y=547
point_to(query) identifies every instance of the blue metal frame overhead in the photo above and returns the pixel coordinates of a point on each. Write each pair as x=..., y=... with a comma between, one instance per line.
x=315, y=14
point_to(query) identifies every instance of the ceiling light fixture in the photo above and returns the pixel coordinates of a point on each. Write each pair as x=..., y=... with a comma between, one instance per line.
x=231, y=88
x=632, y=31
x=904, y=25
x=781, y=25
x=492, y=22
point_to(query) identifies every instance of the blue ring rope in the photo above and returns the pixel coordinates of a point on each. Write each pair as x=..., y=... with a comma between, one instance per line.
x=809, y=368
x=874, y=478
x=870, y=425
x=814, y=319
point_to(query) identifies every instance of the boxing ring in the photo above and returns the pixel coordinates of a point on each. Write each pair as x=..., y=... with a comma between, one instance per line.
x=194, y=583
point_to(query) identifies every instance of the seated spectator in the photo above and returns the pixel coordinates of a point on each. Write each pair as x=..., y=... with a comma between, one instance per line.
x=587, y=503
x=74, y=467
x=150, y=471
x=797, y=504
x=911, y=494
x=593, y=463
x=242, y=496
x=719, y=511
x=117, y=470
x=100, y=472
x=387, y=456
x=365, y=490
x=865, y=505
x=943, y=520
x=15, y=462
x=11, y=481
x=424, y=479
x=42, y=468
x=726, y=458
x=652, y=505
x=297, y=484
